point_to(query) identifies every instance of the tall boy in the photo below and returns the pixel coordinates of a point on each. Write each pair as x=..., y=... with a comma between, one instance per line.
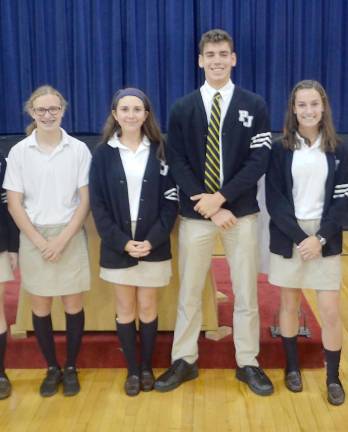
x=218, y=147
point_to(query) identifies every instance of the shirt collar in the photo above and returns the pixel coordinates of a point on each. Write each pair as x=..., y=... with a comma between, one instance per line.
x=32, y=142
x=115, y=142
x=303, y=144
x=224, y=91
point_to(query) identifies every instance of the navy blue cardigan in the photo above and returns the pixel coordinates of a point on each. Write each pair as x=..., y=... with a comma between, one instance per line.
x=110, y=207
x=246, y=144
x=9, y=236
x=284, y=229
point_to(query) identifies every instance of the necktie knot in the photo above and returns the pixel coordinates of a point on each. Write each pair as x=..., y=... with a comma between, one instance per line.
x=217, y=97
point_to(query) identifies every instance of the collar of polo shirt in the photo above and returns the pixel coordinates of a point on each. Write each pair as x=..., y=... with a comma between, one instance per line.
x=32, y=142
x=115, y=142
x=302, y=142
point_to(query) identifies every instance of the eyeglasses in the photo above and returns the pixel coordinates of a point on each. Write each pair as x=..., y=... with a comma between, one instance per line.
x=41, y=111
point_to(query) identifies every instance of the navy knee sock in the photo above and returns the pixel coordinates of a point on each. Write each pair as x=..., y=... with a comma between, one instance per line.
x=75, y=324
x=44, y=335
x=127, y=335
x=291, y=354
x=148, y=333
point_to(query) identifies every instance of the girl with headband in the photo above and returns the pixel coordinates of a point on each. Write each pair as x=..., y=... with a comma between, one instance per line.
x=134, y=204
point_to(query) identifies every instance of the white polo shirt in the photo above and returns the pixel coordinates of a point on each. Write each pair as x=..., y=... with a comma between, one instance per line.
x=134, y=164
x=226, y=93
x=49, y=182
x=309, y=172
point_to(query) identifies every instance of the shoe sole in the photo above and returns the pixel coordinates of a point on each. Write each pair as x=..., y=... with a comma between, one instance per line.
x=253, y=389
x=48, y=394
x=190, y=377
x=2, y=397
x=332, y=402
x=293, y=390
x=68, y=394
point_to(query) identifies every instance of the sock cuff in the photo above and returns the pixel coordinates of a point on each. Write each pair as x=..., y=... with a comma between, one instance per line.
x=43, y=318
x=75, y=315
x=142, y=323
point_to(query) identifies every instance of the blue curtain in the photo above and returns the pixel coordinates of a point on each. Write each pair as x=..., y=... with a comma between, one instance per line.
x=90, y=48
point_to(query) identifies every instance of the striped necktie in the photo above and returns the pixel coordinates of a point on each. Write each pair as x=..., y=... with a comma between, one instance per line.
x=212, y=155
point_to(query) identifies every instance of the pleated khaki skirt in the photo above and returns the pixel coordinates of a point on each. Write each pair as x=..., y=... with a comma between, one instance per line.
x=69, y=275
x=322, y=273
x=6, y=273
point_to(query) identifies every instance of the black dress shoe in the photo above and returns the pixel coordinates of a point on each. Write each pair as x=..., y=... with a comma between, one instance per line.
x=132, y=385
x=50, y=384
x=5, y=386
x=256, y=379
x=293, y=381
x=179, y=372
x=335, y=393
x=71, y=385
x=147, y=380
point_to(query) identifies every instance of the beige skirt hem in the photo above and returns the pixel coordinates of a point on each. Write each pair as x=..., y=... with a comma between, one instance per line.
x=320, y=274
x=144, y=274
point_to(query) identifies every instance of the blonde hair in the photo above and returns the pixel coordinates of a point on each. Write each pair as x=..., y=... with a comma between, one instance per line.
x=41, y=91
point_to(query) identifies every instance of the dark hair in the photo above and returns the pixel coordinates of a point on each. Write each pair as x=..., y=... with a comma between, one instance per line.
x=150, y=127
x=329, y=138
x=215, y=36
x=41, y=91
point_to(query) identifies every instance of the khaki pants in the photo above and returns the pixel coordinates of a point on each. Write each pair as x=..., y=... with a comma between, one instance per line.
x=196, y=243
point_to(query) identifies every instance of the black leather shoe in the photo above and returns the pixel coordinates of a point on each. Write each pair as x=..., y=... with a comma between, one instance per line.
x=335, y=394
x=179, y=372
x=147, y=380
x=256, y=379
x=293, y=381
x=71, y=385
x=50, y=384
x=132, y=385
x=5, y=386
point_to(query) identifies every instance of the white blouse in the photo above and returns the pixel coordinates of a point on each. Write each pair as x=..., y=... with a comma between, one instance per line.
x=134, y=164
x=309, y=172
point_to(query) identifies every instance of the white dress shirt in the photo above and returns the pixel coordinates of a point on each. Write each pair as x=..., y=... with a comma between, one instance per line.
x=226, y=93
x=49, y=182
x=134, y=164
x=309, y=172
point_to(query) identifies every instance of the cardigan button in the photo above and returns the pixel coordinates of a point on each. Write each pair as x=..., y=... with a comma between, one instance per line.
x=145, y=181
x=121, y=181
x=140, y=219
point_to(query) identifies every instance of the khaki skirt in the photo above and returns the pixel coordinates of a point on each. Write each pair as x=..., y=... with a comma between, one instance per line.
x=322, y=273
x=144, y=274
x=69, y=275
x=6, y=273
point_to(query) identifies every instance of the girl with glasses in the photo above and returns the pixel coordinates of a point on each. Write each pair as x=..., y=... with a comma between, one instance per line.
x=47, y=188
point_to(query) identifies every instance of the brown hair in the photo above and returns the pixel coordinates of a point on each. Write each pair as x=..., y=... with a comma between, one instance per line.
x=215, y=36
x=149, y=128
x=329, y=138
x=41, y=91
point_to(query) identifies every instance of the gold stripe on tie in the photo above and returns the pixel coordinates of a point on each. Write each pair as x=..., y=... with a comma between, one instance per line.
x=212, y=153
